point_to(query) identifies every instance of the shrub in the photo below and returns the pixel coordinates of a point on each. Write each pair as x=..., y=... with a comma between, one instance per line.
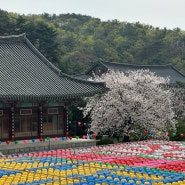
x=180, y=130
x=105, y=142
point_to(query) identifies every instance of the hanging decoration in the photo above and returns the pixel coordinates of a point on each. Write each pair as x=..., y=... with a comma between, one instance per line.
x=25, y=141
x=181, y=135
x=41, y=121
x=48, y=138
x=90, y=136
x=132, y=131
x=63, y=138
x=7, y=142
x=16, y=142
x=33, y=140
x=79, y=123
x=138, y=131
x=84, y=137
x=67, y=126
x=12, y=120
x=173, y=134
x=41, y=139
x=56, y=138
x=93, y=136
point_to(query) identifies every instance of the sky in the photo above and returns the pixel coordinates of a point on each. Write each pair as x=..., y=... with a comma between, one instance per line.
x=157, y=13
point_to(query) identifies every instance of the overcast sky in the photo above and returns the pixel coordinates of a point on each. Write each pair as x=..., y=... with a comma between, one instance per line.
x=158, y=13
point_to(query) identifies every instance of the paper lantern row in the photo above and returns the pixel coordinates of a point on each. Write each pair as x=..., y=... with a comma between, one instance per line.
x=90, y=136
x=81, y=123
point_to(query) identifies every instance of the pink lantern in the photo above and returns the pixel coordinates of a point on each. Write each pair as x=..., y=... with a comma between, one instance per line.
x=84, y=136
x=166, y=133
x=25, y=141
x=56, y=138
x=79, y=123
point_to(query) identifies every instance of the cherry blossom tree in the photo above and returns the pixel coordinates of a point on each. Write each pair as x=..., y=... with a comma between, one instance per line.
x=137, y=102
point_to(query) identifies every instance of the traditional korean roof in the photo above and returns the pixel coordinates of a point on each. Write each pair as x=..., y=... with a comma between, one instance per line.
x=160, y=70
x=25, y=74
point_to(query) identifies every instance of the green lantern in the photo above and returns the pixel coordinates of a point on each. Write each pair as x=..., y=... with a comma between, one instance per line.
x=16, y=142
x=174, y=134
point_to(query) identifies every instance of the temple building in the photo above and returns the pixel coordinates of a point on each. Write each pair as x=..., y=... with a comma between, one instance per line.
x=166, y=71
x=34, y=93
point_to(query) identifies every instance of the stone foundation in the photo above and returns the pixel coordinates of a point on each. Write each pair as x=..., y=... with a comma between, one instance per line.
x=37, y=146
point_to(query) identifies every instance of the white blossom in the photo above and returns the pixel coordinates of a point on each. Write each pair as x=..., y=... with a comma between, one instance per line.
x=139, y=95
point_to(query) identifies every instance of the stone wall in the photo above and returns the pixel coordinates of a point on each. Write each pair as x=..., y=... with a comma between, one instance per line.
x=37, y=146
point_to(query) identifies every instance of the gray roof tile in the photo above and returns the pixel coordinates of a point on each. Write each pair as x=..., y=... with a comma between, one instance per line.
x=25, y=74
x=160, y=70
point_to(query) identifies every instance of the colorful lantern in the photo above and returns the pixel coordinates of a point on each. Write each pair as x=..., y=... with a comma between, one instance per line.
x=56, y=138
x=174, y=134
x=25, y=141
x=94, y=136
x=181, y=135
x=16, y=142
x=84, y=136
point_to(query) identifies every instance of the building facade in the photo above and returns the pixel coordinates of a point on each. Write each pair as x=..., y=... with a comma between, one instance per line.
x=34, y=93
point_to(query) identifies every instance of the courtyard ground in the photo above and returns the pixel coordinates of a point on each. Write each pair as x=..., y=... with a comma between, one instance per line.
x=153, y=162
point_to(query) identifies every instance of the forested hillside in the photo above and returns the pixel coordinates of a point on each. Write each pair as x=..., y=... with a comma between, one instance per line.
x=72, y=42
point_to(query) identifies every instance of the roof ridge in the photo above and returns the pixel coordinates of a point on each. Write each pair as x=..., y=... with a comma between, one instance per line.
x=11, y=38
x=139, y=65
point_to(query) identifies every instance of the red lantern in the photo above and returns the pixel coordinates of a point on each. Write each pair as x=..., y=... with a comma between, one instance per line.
x=181, y=135
x=41, y=139
x=145, y=132
x=85, y=124
x=94, y=136
x=7, y=142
